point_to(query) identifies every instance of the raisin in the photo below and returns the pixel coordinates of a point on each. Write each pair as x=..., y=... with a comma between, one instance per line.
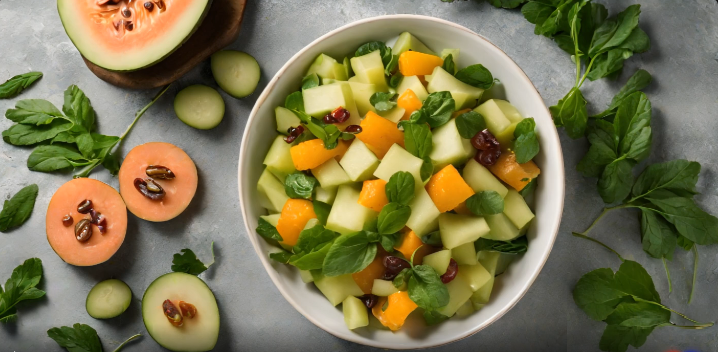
x=484, y=140
x=451, y=272
x=329, y=119
x=393, y=265
x=353, y=129
x=488, y=157
x=294, y=133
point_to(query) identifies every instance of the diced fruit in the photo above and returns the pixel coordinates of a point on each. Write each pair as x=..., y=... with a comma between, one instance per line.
x=454, y=56
x=414, y=63
x=509, y=110
x=506, y=137
x=330, y=174
x=496, y=120
x=474, y=275
x=465, y=96
x=398, y=159
x=396, y=312
x=359, y=162
x=463, y=209
x=439, y=261
x=366, y=277
x=505, y=260
x=327, y=68
x=236, y=72
x=480, y=179
x=502, y=229
x=465, y=254
x=517, y=210
x=406, y=42
x=370, y=69
x=199, y=106
x=306, y=276
x=373, y=195
x=411, y=243
x=489, y=260
x=459, y=229
x=394, y=115
x=514, y=174
x=448, y=189
x=379, y=134
x=347, y=215
x=285, y=119
x=295, y=214
x=279, y=160
x=355, y=313
x=408, y=101
x=459, y=293
x=483, y=294
x=322, y=100
x=310, y=154
x=198, y=333
x=337, y=288
x=465, y=310
x=413, y=83
x=108, y=299
x=271, y=192
x=424, y=214
x=383, y=288
x=325, y=195
x=362, y=93
x=449, y=147
x=100, y=246
x=272, y=219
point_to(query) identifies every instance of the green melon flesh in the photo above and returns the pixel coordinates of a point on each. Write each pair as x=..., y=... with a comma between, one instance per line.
x=413, y=83
x=449, y=147
x=370, y=69
x=330, y=174
x=347, y=215
x=355, y=313
x=465, y=96
x=359, y=162
x=196, y=334
x=465, y=254
x=459, y=293
x=383, y=288
x=279, y=160
x=479, y=178
x=407, y=41
x=285, y=119
x=99, y=43
x=439, y=261
x=336, y=288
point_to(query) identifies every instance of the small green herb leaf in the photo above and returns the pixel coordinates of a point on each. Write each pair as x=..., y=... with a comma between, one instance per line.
x=485, y=203
x=18, y=209
x=400, y=188
x=659, y=237
x=438, y=108
x=48, y=158
x=349, y=254
x=186, y=262
x=392, y=218
x=322, y=210
x=28, y=134
x=690, y=220
x=616, y=180
x=384, y=51
x=432, y=239
x=401, y=280
x=78, y=109
x=299, y=185
x=570, y=112
x=516, y=246
x=295, y=101
x=78, y=338
x=33, y=112
x=281, y=256
x=469, y=124
x=15, y=85
x=389, y=241
x=426, y=288
x=678, y=176
x=313, y=238
x=309, y=81
x=267, y=230
x=383, y=101
x=418, y=139
x=448, y=64
x=640, y=80
x=526, y=145
x=477, y=76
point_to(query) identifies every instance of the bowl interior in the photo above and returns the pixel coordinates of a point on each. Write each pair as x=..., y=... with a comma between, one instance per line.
x=438, y=35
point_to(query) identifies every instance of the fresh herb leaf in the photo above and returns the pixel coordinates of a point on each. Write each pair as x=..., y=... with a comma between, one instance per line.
x=449, y=65
x=529, y=188
x=426, y=288
x=309, y=81
x=349, y=254
x=691, y=221
x=427, y=169
x=614, y=32
x=476, y=76
x=658, y=236
x=384, y=51
x=402, y=279
x=322, y=210
x=678, y=176
x=28, y=134
x=392, y=218
x=313, y=238
x=526, y=125
x=15, y=85
x=432, y=317
x=78, y=338
x=186, y=262
x=389, y=241
x=438, y=108
x=526, y=145
x=295, y=101
x=418, y=139
x=267, y=230
x=608, y=63
x=33, y=112
x=400, y=188
x=18, y=209
x=281, y=256
x=391, y=65
x=383, y=101
x=516, y=246
x=469, y=124
x=312, y=260
x=299, y=185
x=640, y=80
x=432, y=239
x=616, y=338
x=19, y=287
x=48, y=158
x=616, y=180
x=570, y=112
x=507, y=4
x=395, y=80
x=78, y=109
x=485, y=203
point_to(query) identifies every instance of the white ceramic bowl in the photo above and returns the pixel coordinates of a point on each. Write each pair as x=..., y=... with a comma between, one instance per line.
x=437, y=34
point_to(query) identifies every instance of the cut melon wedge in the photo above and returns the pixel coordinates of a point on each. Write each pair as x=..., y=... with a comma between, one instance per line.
x=109, y=40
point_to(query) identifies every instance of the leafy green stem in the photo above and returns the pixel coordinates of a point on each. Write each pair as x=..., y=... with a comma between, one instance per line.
x=694, y=249
x=673, y=311
x=668, y=275
x=600, y=216
x=692, y=327
x=126, y=341
x=142, y=111
x=85, y=171
x=580, y=235
x=585, y=74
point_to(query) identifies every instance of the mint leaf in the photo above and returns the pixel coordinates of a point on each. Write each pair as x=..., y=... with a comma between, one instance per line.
x=469, y=124
x=299, y=185
x=349, y=254
x=282, y=256
x=19, y=287
x=476, y=76
x=186, y=262
x=310, y=81
x=570, y=112
x=614, y=32
x=18, y=209
x=400, y=188
x=507, y=4
x=383, y=101
x=438, y=108
x=426, y=288
x=516, y=246
x=267, y=230
x=485, y=203
x=639, y=315
x=526, y=145
x=15, y=85
x=384, y=51
x=313, y=238
x=392, y=218
x=294, y=101
x=678, y=176
x=312, y=260
x=322, y=210
x=418, y=139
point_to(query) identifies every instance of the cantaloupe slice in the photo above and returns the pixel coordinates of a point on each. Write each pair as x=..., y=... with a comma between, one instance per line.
x=178, y=191
x=373, y=195
x=409, y=101
x=514, y=174
x=396, y=312
x=101, y=246
x=448, y=189
x=414, y=63
x=379, y=134
x=310, y=154
x=295, y=214
x=410, y=242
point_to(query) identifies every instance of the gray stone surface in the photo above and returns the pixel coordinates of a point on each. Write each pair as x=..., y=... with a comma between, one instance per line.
x=255, y=317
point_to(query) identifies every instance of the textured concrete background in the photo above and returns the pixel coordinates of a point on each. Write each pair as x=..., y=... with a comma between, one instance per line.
x=683, y=61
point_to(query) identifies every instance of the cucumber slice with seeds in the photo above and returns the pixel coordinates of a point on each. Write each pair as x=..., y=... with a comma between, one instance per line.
x=236, y=72
x=199, y=106
x=108, y=299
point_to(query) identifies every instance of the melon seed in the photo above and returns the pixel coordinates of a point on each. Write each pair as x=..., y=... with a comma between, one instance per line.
x=129, y=26
x=126, y=12
x=160, y=5
x=84, y=207
x=67, y=220
x=159, y=172
x=188, y=309
x=171, y=312
x=83, y=230
x=149, y=188
x=149, y=6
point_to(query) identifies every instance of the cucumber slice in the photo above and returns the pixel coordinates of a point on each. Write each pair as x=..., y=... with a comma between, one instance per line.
x=439, y=261
x=336, y=288
x=464, y=95
x=199, y=106
x=355, y=313
x=236, y=72
x=496, y=120
x=424, y=216
x=474, y=275
x=330, y=174
x=370, y=69
x=108, y=299
x=325, y=195
x=459, y=293
x=279, y=160
x=517, y=210
x=347, y=215
x=407, y=41
x=362, y=93
x=449, y=147
x=502, y=229
x=459, y=229
x=413, y=83
x=465, y=254
x=285, y=119
x=359, y=162
x=383, y=288
x=271, y=192
x=479, y=178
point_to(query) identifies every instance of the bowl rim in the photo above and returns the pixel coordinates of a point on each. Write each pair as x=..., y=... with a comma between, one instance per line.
x=265, y=261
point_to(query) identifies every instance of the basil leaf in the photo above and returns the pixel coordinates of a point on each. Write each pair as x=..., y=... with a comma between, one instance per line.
x=267, y=230
x=383, y=101
x=516, y=246
x=418, y=139
x=282, y=257
x=640, y=80
x=476, y=76
x=402, y=278
x=469, y=124
x=530, y=188
x=349, y=254
x=448, y=64
x=400, y=188
x=392, y=218
x=322, y=210
x=20, y=287
x=312, y=260
x=15, y=85
x=18, y=209
x=570, y=112
x=295, y=101
x=48, y=158
x=485, y=203
x=391, y=65
x=389, y=241
x=691, y=221
x=299, y=185
x=432, y=317
x=426, y=288
x=678, y=176
x=186, y=262
x=658, y=236
x=78, y=338
x=33, y=112
x=29, y=135
x=438, y=107
x=384, y=51
x=432, y=239
x=78, y=109
x=313, y=238
x=309, y=81
x=616, y=180
x=427, y=169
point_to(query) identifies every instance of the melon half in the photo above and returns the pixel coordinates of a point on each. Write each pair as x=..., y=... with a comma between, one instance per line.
x=127, y=35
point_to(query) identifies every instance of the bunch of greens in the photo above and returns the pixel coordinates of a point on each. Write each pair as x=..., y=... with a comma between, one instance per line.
x=65, y=139
x=17, y=84
x=18, y=209
x=186, y=262
x=20, y=287
x=81, y=338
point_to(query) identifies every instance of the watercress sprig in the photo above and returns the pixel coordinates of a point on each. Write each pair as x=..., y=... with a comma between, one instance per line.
x=186, y=262
x=20, y=287
x=81, y=338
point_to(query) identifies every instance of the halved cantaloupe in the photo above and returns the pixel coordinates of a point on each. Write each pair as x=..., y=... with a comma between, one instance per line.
x=101, y=246
x=126, y=35
x=178, y=191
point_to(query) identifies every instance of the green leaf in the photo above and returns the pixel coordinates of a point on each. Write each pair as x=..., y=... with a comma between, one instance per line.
x=295, y=101
x=384, y=51
x=389, y=241
x=418, y=139
x=637, y=42
x=400, y=188
x=438, y=107
x=391, y=65
x=313, y=239
x=632, y=121
x=19, y=287
x=485, y=203
x=313, y=260
x=349, y=254
x=537, y=12
x=86, y=145
x=322, y=210
x=267, y=230
x=48, y=158
x=640, y=80
x=516, y=246
x=78, y=338
x=18, y=209
x=526, y=126
x=432, y=239
x=426, y=288
x=476, y=76
x=186, y=262
x=78, y=109
x=530, y=188
x=616, y=180
x=613, y=33
x=299, y=185
x=427, y=169
x=570, y=112
x=383, y=101
x=595, y=293
x=469, y=124
x=631, y=278
x=608, y=63
x=639, y=315
x=658, y=236
x=690, y=220
x=15, y=85
x=448, y=64
x=678, y=176
x=33, y=112
x=282, y=256
x=526, y=147
x=392, y=218
x=395, y=80
x=310, y=81
x=507, y=4
x=616, y=338
x=432, y=317
x=402, y=279
x=29, y=135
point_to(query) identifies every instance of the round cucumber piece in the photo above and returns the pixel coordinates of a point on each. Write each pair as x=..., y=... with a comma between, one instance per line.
x=108, y=299
x=199, y=106
x=236, y=72
x=198, y=333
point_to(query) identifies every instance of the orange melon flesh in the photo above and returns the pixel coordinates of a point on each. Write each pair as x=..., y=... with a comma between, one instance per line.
x=379, y=134
x=373, y=195
x=310, y=154
x=100, y=247
x=514, y=174
x=294, y=217
x=398, y=309
x=101, y=35
x=414, y=63
x=375, y=270
x=448, y=189
x=410, y=102
x=178, y=191
x=410, y=242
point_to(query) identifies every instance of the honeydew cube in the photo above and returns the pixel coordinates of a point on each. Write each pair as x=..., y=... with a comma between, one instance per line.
x=336, y=288
x=465, y=96
x=439, y=261
x=306, y=276
x=355, y=313
x=424, y=213
x=496, y=120
x=271, y=192
x=413, y=83
x=454, y=56
x=458, y=229
x=502, y=229
x=325, y=195
x=475, y=275
x=510, y=112
x=327, y=67
x=347, y=215
x=370, y=69
x=383, y=288
x=505, y=259
x=449, y=147
x=393, y=115
x=481, y=296
x=489, y=260
x=330, y=174
x=406, y=42
x=398, y=159
x=272, y=219
x=480, y=179
x=459, y=293
x=285, y=119
x=359, y=162
x=506, y=137
x=465, y=254
x=279, y=160
x=465, y=310
x=516, y=209
x=362, y=93
x=321, y=100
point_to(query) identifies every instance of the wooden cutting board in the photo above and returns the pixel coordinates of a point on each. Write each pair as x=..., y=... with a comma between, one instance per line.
x=219, y=29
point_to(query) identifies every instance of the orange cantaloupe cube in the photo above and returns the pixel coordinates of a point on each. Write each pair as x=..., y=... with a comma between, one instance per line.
x=448, y=189
x=294, y=216
x=409, y=102
x=373, y=195
x=310, y=154
x=514, y=174
x=375, y=270
x=414, y=63
x=379, y=134
x=462, y=209
x=410, y=242
x=396, y=312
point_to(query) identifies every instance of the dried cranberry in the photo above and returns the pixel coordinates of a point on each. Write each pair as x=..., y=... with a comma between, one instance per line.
x=484, y=140
x=393, y=265
x=451, y=272
x=340, y=114
x=353, y=129
x=369, y=300
x=488, y=157
x=294, y=132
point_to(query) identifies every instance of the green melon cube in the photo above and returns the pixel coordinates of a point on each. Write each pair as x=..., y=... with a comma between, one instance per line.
x=347, y=215
x=459, y=229
x=505, y=259
x=271, y=192
x=465, y=254
x=279, y=160
x=465, y=96
x=383, y=288
x=424, y=214
x=306, y=276
x=483, y=294
x=454, y=56
x=517, y=210
x=475, y=275
x=449, y=147
x=496, y=120
x=502, y=229
x=406, y=42
x=321, y=100
x=327, y=67
x=459, y=293
x=510, y=112
x=413, y=83
x=394, y=115
x=285, y=119
x=355, y=313
x=398, y=159
x=325, y=195
x=359, y=162
x=370, y=69
x=479, y=178
x=337, y=288
x=465, y=310
x=506, y=137
x=273, y=219
x=330, y=174
x=362, y=93
x=438, y=260
x=489, y=260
